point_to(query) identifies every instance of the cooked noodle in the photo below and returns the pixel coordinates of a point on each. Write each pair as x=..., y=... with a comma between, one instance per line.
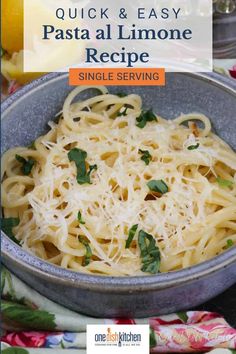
x=190, y=223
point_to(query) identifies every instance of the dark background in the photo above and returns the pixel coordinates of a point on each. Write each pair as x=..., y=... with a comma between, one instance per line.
x=225, y=304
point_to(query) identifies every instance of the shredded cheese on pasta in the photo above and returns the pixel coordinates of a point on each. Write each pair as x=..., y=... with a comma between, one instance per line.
x=190, y=223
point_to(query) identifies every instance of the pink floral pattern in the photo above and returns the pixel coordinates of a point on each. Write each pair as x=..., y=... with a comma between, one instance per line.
x=25, y=339
x=203, y=331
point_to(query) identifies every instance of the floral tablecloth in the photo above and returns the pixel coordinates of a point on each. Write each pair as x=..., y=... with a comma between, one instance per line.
x=32, y=321
x=34, y=324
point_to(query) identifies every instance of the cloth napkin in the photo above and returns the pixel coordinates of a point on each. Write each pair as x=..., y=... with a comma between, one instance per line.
x=32, y=321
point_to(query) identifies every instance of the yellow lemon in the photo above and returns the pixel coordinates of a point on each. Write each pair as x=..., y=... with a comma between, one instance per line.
x=40, y=56
x=12, y=69
x=12, y=25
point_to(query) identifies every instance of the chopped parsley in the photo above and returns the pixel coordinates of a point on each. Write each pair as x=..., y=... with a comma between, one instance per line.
x=224, y=182
x=131, y=234
x=145, y=116
x=146, y=156
x=7, y=225
x=229, y=244
x=150, y=253
x=88, y=253
x=158, y=186
x=79, y=156
x=27, y=165
x=193, y=147
x=79, y=217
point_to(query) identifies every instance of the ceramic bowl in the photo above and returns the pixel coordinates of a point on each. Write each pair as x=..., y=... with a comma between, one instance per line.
x=24, y=117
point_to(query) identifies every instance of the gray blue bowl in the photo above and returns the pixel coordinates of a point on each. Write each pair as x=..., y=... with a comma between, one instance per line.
x=24, y=117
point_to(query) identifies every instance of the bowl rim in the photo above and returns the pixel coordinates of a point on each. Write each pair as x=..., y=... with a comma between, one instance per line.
x=28, y=262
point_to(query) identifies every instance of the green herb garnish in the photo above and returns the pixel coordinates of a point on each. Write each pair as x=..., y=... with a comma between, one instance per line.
x=229, y=244
x=7, y=225
x=79, y=217
x=131, y=234
x=224, y=182
x=146, y=156
x=150, y=253
x=193, y=147
x=88, y=253
x=121, y=94
x=145, y=116
x=27, y=165
x=158, y=186
x=79, y=157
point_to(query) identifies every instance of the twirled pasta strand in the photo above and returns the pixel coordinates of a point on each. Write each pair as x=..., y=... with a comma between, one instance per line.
x=191, y=223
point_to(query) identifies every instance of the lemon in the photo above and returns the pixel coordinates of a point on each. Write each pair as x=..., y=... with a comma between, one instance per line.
x=38, y=55
x=12, y=69
x=12, y=25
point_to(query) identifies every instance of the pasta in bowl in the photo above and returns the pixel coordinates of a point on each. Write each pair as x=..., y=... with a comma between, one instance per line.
x=114, y=189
